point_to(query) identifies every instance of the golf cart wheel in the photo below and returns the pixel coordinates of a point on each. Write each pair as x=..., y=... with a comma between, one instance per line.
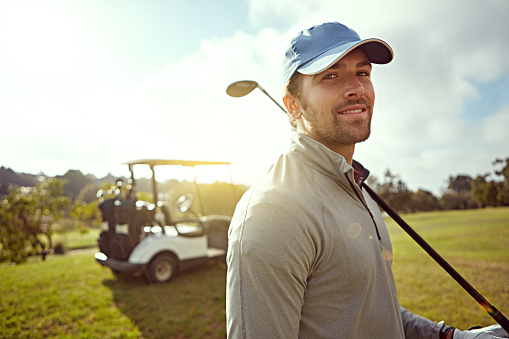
x=162, y=268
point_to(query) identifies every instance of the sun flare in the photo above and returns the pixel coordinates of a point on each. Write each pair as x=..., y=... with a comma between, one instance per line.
x=39, y=41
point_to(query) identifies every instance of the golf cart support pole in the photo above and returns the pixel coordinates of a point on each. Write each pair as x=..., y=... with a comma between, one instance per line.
x=154, y=185
x=492, y=311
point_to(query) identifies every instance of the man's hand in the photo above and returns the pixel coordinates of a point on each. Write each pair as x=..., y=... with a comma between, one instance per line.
x=490, y=332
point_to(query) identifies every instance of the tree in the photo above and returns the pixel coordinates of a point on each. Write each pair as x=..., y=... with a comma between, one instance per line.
x=457, y=201
x=484, y=192
x=85, y=214
x=423, y=201
x=10, y=178
x=460, y=193
x=394, y=192
x=221, y=197
x=26, y=213
x=503, y=187
x=460, y=183
x=75, y=181
x=88, y=193
x=502, y=193
x=504, y=172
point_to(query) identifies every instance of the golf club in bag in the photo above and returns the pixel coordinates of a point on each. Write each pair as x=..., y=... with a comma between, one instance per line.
x=241, y=88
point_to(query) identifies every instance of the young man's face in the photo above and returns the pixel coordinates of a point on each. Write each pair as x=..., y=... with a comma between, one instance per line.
x=336, y=105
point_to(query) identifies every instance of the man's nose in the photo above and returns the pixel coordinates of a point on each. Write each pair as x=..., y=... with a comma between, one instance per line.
x=354, y=87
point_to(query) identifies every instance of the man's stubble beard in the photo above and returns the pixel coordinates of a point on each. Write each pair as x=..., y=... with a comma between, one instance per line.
x=337, y=132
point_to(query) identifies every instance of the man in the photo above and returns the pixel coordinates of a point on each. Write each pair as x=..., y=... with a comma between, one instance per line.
x=309, y=255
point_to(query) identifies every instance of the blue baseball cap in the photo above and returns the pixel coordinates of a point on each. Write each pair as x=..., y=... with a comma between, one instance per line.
x=315, y=49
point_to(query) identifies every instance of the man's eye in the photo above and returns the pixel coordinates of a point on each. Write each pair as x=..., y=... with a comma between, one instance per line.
x=363, y=74
x=330, y=76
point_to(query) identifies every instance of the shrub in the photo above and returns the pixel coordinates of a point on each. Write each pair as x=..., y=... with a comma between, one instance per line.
x=59, y=248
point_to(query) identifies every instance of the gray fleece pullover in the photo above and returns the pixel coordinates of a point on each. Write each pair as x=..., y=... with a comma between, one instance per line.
x=310, y=256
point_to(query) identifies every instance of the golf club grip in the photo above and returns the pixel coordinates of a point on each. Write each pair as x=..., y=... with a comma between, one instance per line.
x=500, y=319
x=492, y=311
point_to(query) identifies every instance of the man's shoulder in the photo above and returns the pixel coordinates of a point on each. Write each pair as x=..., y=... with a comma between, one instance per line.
x=288, y=177
x=285, y=190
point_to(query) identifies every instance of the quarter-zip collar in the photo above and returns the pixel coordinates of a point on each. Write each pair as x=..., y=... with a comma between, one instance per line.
x=334, y=165
x=323, y=159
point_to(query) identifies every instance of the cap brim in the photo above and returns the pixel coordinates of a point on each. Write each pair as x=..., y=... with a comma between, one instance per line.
x=377, y=51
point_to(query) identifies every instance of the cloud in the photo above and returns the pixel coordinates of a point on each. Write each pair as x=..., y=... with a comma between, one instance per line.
x=494, y=129
x=195, y=117
x=443, y=52
x=446, y=55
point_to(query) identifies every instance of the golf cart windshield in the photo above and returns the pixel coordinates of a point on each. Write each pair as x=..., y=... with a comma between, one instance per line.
x=160, y=193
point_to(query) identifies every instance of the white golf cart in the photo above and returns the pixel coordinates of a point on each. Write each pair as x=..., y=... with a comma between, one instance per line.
x=144, y=238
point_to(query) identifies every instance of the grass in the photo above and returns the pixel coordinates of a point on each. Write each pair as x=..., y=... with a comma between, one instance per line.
x=475, y=243
x=76, y=240
x=71, y=296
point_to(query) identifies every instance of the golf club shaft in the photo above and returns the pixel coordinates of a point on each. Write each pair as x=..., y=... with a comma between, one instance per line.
x=271, y=98
x=492, y=311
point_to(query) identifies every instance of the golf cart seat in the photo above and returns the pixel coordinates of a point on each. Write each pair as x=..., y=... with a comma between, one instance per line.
x=216, y=227
x=169, y=221
x=167, y=215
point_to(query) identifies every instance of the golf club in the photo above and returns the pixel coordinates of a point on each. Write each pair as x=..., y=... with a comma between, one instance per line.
x=492, y=311
x=242, y=88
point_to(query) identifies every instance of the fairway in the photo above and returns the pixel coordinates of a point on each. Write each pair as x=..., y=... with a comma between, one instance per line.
x=475, y=243
x=71, y=296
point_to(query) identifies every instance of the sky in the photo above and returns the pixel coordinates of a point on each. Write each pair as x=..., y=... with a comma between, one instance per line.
x=89, y=85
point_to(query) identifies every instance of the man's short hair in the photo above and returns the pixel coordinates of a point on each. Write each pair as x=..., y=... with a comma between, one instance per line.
x=293, y=88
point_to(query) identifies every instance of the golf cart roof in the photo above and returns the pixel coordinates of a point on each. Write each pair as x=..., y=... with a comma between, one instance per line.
x=190, y=163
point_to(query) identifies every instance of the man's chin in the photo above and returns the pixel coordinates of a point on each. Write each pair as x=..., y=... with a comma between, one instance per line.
x=363, y=139
x=360, y=136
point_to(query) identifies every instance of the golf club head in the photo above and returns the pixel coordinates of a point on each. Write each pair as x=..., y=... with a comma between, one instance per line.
x=241, y=88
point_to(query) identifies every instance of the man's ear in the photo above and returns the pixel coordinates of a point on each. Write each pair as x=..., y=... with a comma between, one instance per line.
x=292, y=106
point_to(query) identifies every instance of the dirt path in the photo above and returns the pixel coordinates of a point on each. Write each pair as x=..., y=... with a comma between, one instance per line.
x=90, y=250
